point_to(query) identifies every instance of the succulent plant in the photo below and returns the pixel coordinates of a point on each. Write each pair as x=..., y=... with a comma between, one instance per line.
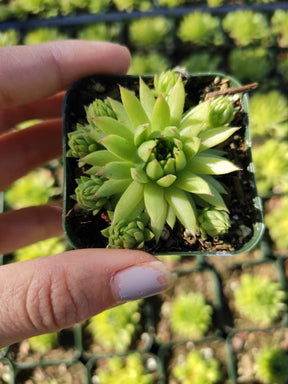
x=269, y=114
x=156, y=158
x=260, y=299
x=196, y=369
x=250, y=64
x=130, y=235
x=129, y=369
x=100, y=31
x=149, y=33
x=115, y=328
x=9, y=37
x=271, y=366
x=201, y=62
x=190, y=315
x=201, y=29
x=279, y=22
x=277, y=223
x=42, y=35
x=246, y=27
x=214, y=222
x=43, y=343
x=274, y=178
x=146, y=63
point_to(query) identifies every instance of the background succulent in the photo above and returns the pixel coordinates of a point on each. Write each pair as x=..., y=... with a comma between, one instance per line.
x=259, y=299
x=153, y=156
x=190, y=315
x=196, y=369
x=271, y=366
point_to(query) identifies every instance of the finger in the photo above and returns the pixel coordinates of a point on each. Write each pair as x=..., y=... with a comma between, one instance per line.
x=21, y=151
x=29, y=225
x=48, y=108
x=29, y=73
x=51, y=293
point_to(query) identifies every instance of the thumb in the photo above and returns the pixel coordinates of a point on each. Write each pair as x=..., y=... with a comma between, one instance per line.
x=48, y=294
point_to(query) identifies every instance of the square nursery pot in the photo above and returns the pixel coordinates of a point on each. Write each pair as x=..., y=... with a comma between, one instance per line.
x=83, y=228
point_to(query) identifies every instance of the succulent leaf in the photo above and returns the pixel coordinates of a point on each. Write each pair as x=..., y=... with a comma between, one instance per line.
x=161, y=115
x=113, y=127
x=176, y=100
x=182, y=207
x=133, y=107
x=119, y=147
x=147, y=98
x=116, y=170
x=214, y=222
x=99, y=158
x=156, y=206
x=131, y=199
x=214, y=136
x=211, y=165
x=192, y=183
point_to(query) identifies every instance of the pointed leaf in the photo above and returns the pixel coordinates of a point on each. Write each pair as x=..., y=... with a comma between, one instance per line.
x=196, y=115
x=215, y=200
x=191, y=146
x=129, y=203
x=183, y=208
x=145, y=149
x=156, y=206
x=111, y=126
x=116, y=170
x=161, y=115
x=154, y=170
x=112, y=187
x=141, y=134
x=119, y=146
x=176, y=101
x=139, y=175
x=147, y=98
x=211, y=165
x=214, y=136
x=133, y=107
x=166, y=181
x=192, y=183
x=171, y=218
x=215, y=183
x=192, y=131
x=121, y=113
x=99, y=158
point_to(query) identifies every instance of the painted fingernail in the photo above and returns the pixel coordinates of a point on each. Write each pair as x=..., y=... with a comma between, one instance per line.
x=141, y=281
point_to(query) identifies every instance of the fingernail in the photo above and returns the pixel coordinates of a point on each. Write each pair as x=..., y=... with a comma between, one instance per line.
x=141, y=281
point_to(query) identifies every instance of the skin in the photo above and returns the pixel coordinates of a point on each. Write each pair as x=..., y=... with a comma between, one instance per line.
x=48, y=294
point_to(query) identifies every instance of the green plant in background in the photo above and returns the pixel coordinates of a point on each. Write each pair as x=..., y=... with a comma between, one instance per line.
x=41, y=35
x=279, y=27
x=202, y=62
x=120, y=370
x=155, y=158
x=250, y=64
x=9, y=37
x=271, y=366
x=36, y=188
x=273, y=178
x=269, y=114
x=149, y=32
x=43, y=248
x=276, y=221
x=100, y=31
x=259, y=299
x=22, y=9
x=43, y=343
x=190, y=315
x=247, y=27
x=115, y=328
x=130, y=5
x=148, y=63
x=197, y=369
x=201, y=29
x=282, y=65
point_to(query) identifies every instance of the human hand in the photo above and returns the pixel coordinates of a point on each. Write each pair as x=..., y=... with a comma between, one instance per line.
x=48, y=294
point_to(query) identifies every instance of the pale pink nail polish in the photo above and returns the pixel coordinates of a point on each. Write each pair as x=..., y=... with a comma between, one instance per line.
x=141, y=281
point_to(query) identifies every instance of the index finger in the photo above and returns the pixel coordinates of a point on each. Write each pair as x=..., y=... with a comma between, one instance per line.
x=29, y=73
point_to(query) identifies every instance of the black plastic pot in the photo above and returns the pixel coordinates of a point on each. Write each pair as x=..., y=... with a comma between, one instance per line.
x=83, y=229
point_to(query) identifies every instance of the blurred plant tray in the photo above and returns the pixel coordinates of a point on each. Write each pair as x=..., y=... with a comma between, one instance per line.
x=83, y=229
